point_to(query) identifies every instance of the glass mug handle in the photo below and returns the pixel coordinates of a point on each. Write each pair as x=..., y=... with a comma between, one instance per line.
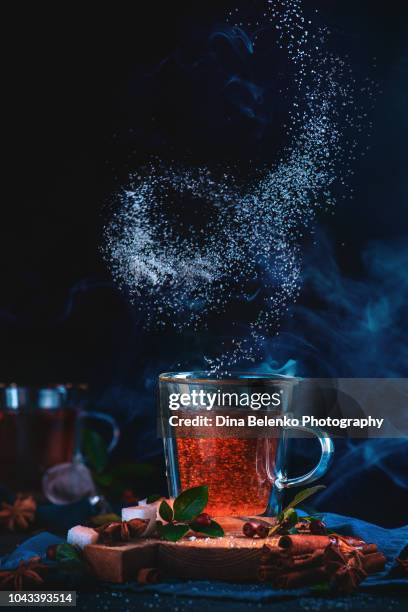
x=102, y=416
x=327, y=450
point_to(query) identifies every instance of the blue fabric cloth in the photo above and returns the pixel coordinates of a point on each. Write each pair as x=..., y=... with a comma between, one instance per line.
x=33, y=547
x=390, y=541
x=256, y=593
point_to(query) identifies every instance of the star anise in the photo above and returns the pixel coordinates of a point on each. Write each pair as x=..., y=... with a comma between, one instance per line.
x=20, y=514
x=137, y=527
x=345, y=569
x=27, y=573
x=121, y=531
x=112, y=532
x=400, y=570
x=403, y=566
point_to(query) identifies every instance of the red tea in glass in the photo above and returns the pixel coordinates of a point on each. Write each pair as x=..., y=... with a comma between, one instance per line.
x=239, y=472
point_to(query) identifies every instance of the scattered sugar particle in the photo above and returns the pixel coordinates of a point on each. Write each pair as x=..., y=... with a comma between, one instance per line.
x=195, y=259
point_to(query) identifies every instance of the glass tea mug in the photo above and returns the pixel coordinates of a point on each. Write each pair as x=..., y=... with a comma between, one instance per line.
x=40, y=440
x=246, y=475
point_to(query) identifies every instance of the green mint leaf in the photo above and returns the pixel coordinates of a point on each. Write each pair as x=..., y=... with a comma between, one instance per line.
x=305, y=494
x=166, y=511
x=214, y=530
x=103, y=519
x=67, y=552
x=287, y=519
x=153, y=498
x=94, y=450
x=290, y=517
x=190, y=503
x=312, y=518
x=104, y=480
x=274, y=529
x=172, y=532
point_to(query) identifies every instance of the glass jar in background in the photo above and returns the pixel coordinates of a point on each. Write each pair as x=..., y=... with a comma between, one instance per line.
x=40, y=440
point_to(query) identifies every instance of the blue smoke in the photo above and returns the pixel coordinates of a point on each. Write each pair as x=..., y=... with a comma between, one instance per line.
x=353, y=327
x=350, y=326
x=237, y=39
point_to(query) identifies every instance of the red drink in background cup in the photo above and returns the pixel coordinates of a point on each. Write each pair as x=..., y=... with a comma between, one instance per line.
x=31, y=443
x=39, y=433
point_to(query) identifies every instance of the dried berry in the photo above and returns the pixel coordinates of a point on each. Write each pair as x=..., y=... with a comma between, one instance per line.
x=262, y=530
x=203, y=519
x=282, y=530
x=51, y=552
x=129, y=497
x=317, y=528
x=137, y=527
x=250, y=528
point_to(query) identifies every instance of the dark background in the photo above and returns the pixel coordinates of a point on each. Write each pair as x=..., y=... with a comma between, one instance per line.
x=89, y=97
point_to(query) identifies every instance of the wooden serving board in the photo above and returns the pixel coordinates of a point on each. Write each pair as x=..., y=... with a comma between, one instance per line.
x=232, y=557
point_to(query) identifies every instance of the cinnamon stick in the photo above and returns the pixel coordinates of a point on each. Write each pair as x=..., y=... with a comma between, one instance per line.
x=148, y=575
x=279, y=563
x=373, y=562
x=304, y=573
x=304, y=543
x=350, y=540
x=300, y=578
x=401, y=567
x=270, y=554
x=284, y=563
x=300, y=544
x=301, y=560
x=368, y=549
